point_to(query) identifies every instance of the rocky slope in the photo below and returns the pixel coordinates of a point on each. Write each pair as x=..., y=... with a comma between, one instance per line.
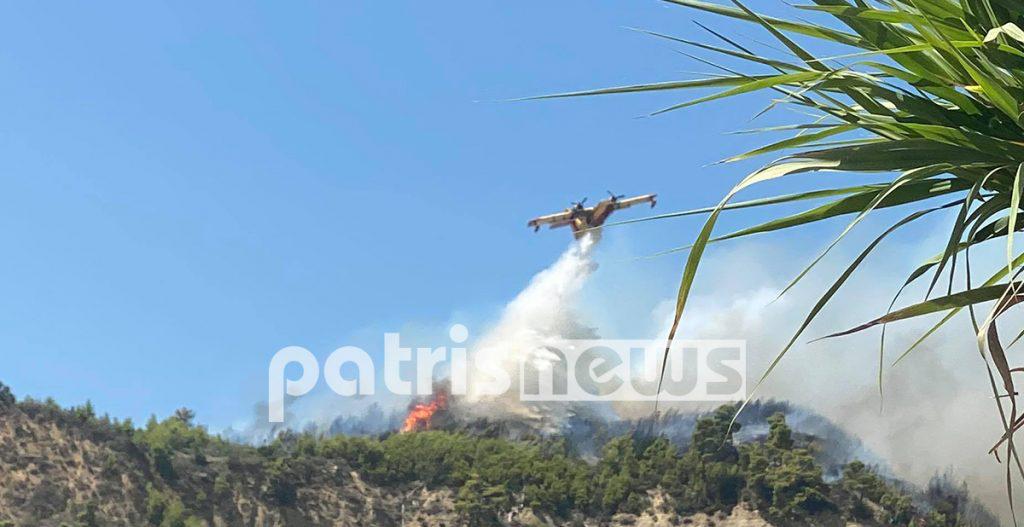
x=56, y=471
x=68, y=467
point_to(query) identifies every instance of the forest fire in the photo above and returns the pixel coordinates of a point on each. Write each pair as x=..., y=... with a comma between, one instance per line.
x=421, y=414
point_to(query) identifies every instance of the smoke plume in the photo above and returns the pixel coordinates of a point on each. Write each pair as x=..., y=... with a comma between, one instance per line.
x=936, y=416
x=543, y=314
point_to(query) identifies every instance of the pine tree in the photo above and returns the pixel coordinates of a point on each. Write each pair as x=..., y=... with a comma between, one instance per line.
x=470, y=503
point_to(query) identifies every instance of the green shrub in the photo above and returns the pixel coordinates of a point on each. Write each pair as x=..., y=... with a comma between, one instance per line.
x=164, y=509
x=6, y=398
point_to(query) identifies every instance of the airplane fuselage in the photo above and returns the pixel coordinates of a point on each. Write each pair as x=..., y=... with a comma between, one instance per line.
x=591, y=218
x=585, y=219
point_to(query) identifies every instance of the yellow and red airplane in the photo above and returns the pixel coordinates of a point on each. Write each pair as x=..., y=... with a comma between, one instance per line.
x=582, y=218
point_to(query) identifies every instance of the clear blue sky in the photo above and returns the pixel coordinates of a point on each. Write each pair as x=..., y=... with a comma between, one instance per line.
x=189, y=187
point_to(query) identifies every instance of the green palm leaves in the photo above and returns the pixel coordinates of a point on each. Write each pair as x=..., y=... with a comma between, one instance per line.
x=929, y=94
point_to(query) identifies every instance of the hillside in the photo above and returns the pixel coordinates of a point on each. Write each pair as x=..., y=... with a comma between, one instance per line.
x=70, y=467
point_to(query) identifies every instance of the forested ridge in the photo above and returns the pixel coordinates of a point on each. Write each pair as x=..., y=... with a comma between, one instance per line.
x=173, y=473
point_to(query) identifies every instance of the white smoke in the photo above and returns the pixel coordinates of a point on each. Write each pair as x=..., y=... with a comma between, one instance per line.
x=937, y=414
x=544, y=314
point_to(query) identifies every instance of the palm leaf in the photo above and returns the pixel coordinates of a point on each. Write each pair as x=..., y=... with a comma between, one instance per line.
x=944, y=102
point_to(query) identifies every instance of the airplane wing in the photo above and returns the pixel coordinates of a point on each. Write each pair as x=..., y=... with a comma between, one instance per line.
x=555, y=220
x=629, y=202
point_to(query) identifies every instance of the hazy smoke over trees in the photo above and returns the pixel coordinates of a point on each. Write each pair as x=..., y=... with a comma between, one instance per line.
x=937, y=415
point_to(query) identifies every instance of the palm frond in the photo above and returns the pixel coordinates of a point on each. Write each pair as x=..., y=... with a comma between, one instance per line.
x=929, y=92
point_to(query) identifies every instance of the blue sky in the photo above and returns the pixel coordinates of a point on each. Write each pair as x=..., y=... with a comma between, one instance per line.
x=189, y=188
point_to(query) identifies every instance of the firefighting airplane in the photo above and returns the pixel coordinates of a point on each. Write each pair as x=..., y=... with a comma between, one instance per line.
x=582, y=218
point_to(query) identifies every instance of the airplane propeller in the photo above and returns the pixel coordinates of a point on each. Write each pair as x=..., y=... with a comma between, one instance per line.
x=615, y=197
x=579, y=203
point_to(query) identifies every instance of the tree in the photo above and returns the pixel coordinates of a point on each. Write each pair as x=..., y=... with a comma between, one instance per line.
x=185, y=415
x=658, y=463
x=618, y=476
x=783, y=479
x=164, y=509
x=6, y=396
x=780, y=437
x=714, y=479
x=163, y=438
x=85, y=413
x=470, y=503
x=928, y=94
x=713, y=436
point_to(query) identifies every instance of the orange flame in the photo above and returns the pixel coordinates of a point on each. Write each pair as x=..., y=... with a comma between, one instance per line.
x=421, y=413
